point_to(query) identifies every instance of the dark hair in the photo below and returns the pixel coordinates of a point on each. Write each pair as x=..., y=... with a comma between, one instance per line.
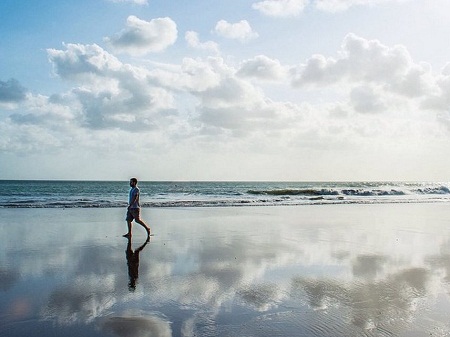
x=134, y=179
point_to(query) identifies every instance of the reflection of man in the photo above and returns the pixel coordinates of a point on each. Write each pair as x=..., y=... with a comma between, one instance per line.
x=134, y=208
x=133, y=263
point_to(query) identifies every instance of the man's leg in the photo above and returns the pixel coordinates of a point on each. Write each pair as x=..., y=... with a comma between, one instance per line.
x=143, y=224
x=137, y=218
x=129, y=224
x=136, y=215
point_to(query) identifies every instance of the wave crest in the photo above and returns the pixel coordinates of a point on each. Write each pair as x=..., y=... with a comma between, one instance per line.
x=306, y=192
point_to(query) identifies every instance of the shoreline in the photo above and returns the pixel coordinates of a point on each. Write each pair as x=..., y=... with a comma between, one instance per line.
x=224, y=204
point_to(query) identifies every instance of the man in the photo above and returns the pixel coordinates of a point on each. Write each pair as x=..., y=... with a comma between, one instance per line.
x=134, y=209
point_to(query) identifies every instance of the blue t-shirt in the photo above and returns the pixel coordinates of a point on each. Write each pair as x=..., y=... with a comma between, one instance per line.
x=133, y=192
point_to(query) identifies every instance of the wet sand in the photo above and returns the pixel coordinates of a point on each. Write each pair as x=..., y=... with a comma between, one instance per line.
x=335, y=270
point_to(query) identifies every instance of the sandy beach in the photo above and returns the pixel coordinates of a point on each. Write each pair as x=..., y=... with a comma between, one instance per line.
x=327, y=270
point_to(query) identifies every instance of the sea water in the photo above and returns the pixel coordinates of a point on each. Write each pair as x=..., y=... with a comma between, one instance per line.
x=88, y=194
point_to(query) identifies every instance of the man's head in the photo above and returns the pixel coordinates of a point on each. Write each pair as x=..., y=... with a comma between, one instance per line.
x=133, y=182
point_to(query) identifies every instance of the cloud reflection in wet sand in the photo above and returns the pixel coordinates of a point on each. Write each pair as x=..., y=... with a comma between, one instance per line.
x=288, y=272
x=388, y=305
x=136, y=325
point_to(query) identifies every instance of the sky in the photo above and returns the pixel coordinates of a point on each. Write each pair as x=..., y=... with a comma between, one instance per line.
x=278, y=90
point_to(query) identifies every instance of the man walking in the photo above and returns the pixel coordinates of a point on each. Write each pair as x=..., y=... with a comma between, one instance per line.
x=134, y=209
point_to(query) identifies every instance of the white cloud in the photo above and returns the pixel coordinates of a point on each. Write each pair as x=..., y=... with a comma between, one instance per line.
x=41, y=110
x=440, y=100
x=194, y=42
x=221, y=100
x=241, y=30
x=142, y=37
x=364, y=99
x=292, y=8
x=231, y=92
x=82, y=60
x=342, y=5
x=281, y=8
x=262, y=67
x=192, y=75
x=368, y=61
x=112, y=94
x=446, y=70
x=212, y=104
x=360, y=60
x=11, y=91
x=239, y=108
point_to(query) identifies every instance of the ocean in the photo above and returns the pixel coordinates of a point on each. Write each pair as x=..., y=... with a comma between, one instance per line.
x=110, y=194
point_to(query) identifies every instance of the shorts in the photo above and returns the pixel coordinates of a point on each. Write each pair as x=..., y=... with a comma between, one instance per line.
x=133, y=214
